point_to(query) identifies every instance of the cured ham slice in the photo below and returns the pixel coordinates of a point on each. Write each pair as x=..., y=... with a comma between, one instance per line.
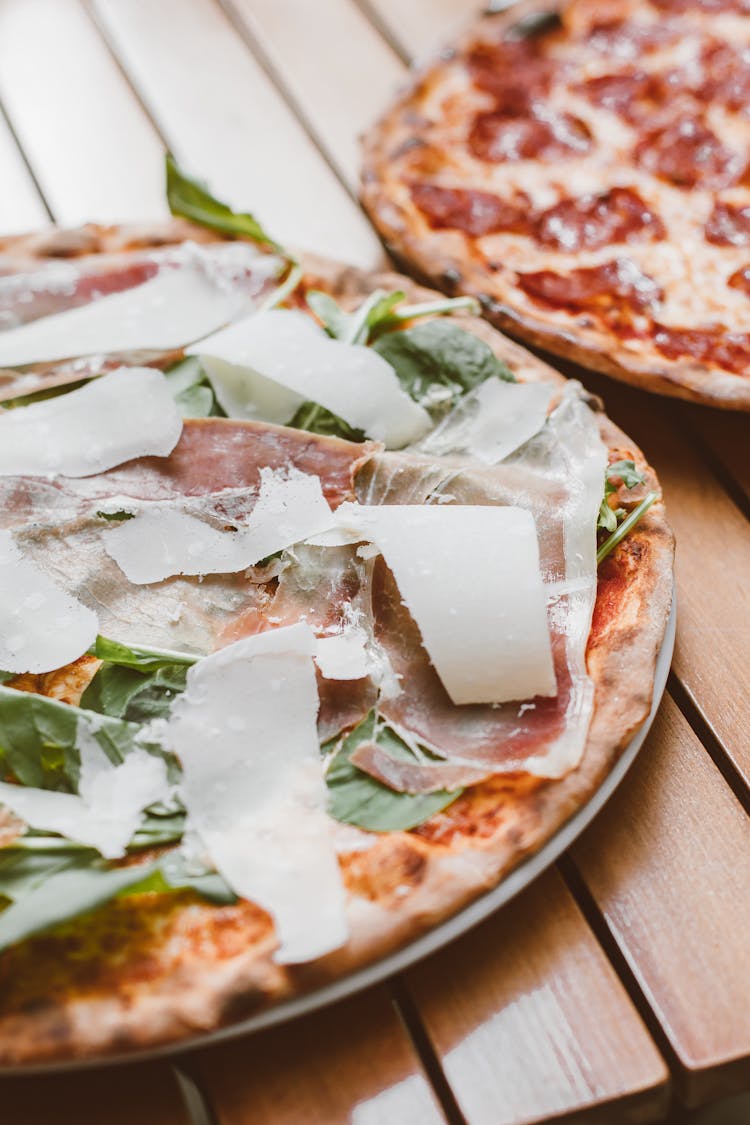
x=558, y=478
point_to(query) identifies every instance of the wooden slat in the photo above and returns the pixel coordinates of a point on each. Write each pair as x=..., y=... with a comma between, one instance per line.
x=669, y=866
x=352, y=1063
x=726, y=435
x=21, y=207
x=422, y=26
x=712, y=655
x=530, y=1021
x=148, y=1095
x=92, y=148
x=223, y=118
x=339, y=92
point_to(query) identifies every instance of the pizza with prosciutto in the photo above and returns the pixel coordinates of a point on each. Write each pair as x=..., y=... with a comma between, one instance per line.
x=584, y=169
x=304, y=639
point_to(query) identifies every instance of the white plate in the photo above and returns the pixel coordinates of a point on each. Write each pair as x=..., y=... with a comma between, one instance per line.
x=441, y=935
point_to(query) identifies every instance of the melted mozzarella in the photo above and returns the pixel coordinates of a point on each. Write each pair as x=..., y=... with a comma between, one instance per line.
x=245, y=732
x=173, y=309
x=107, y=811
x=492, y=421
x=470, y=577
x=265, y=366
x=126, y=414
x=161, y=542
x=41, y=627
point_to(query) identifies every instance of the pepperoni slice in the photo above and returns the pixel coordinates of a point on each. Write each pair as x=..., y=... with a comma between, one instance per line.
x=727, y=76
x=610, y=289
x=702, y=5
x=728, y=225
x=617, y=215
x=630, y=94
x=740, y=279
x=712, y=344
x=515, y=73
x=598, y=220
x=628, y=40
x=495, y=137
x=688, y=154
x=473, y=212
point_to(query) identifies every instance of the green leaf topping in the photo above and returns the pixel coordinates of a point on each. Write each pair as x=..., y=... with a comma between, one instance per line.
x=316, y=419
x=440, y=356
x=192, y=390
x=356, y=798
x=38, y=739
x=619, y=472
x=192, y=200
x=139, y=656
x=378, y=313
x=133, y=693
x=625, y=527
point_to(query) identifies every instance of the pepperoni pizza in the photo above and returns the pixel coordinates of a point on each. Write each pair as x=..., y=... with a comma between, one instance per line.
x=585, y=170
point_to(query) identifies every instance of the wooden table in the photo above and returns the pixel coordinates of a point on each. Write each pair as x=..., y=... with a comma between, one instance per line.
x=617, y=988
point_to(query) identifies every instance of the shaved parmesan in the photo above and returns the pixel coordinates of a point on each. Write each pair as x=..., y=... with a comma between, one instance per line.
x=128, y=413
x=41, y=627
x=470, y=577
x=161, y=542
x=245, y=733
x=107, y=811
x=174, y=308
x=265, y=366
x=492, y=421
x=344, y=656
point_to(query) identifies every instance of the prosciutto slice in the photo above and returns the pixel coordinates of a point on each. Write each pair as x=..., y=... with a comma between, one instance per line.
x=558, y=477
x=214, y=472
x=58, y=286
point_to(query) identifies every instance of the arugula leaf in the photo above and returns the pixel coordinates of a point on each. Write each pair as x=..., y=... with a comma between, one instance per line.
x=139, y=656
x=133, y=694
x=4, y=676
x=626, y=472
x=440, y=354
x=625, y=527
x=356, y=798
x=192, y=390
x=377, y=313
x=314, y=418
x=38, y=739
x=41, y=396
x=58, y=892
x=192, y=200
x=116, y=517
x=49, y=881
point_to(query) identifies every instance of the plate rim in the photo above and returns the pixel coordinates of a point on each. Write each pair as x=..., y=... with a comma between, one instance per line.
x=424, y=946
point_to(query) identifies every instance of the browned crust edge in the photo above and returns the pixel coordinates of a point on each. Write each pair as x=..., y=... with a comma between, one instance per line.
x=442, y=259
x=439, y=878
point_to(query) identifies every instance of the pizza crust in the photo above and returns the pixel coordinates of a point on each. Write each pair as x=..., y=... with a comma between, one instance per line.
x=165, y=969
x=446, y=259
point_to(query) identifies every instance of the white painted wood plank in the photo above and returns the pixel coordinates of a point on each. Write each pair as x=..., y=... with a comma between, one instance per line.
x=21, y=206
x=338, y=92
x=227, y=123
x=92, y=148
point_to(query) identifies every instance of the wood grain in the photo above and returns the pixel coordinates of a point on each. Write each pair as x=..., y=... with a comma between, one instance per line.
x=726, y=436
x=225, y=121
x=422, y=26
x=352, y=1063
x=668, y=864
x=530, y=1021
x=93, y=151
x=148, y=1095
x=21, y=206
x=337, y=92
